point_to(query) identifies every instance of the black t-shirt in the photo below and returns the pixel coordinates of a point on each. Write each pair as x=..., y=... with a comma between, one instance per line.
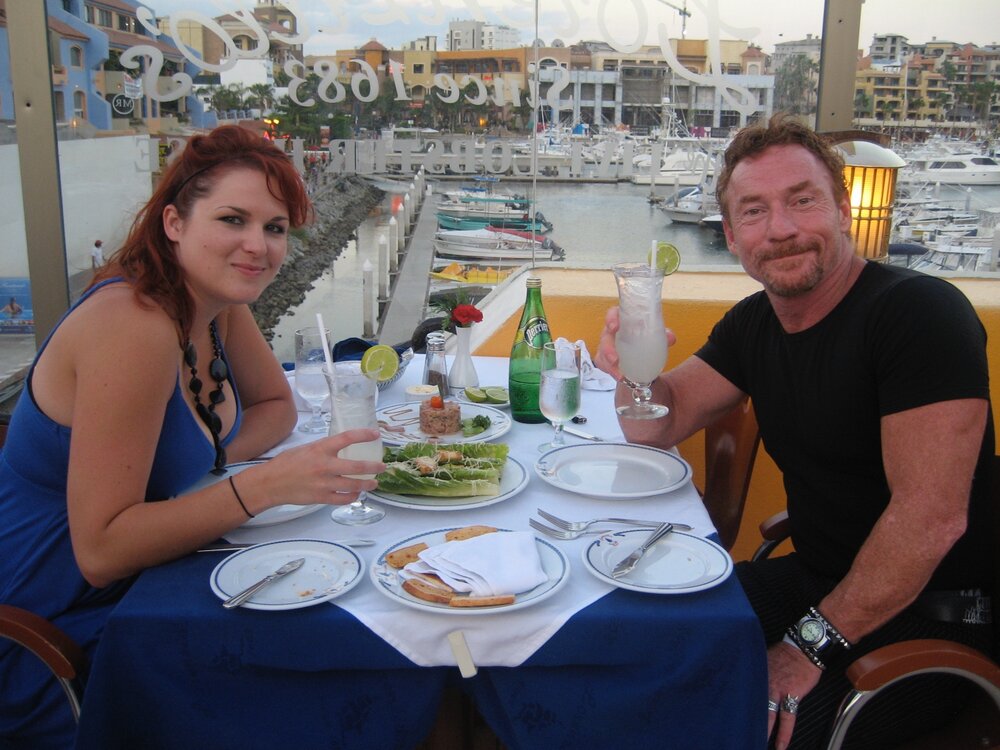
x=898, y=340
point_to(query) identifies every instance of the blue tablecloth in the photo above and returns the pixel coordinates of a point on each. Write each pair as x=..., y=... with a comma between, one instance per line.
x=176, y=670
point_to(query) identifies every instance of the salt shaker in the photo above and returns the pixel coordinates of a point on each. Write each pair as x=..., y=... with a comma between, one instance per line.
x=435, y=365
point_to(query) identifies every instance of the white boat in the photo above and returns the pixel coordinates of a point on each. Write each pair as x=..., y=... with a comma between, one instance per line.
x=689, y=205
x=494, y=245
x=955, y=169
x=458, y=204
x=949, y=163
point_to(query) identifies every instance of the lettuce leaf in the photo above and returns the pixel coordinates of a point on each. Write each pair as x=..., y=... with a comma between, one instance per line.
x=475, y=470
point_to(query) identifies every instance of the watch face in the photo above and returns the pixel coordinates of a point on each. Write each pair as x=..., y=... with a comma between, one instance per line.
x=812, y=631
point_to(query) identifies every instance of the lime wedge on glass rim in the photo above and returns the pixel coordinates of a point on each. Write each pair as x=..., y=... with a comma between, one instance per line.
x=380, y=362
x=668, y=257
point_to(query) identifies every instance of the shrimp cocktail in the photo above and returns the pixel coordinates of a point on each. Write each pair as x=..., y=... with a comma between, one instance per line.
x=641, y=340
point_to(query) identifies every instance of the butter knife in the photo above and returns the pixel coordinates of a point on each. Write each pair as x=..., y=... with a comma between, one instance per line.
x=581, y=434
x=627, y=565
x=240, y=598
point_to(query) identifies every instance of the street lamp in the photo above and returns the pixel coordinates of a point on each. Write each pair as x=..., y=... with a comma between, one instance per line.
x=870, y=174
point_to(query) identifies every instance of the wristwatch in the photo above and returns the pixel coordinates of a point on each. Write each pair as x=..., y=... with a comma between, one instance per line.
x=817, y=638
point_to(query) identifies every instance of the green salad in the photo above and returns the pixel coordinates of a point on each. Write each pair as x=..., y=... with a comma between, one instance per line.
x=451, y=470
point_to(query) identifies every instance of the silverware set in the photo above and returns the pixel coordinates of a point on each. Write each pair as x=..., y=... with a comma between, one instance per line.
x=568, y=530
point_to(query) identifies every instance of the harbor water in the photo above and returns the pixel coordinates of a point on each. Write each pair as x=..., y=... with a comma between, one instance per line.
x=597, y=224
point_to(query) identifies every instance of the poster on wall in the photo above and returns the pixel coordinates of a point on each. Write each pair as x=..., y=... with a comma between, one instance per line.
x=16, y=314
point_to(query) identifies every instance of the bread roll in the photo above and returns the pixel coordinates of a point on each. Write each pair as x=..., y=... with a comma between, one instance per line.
x=423, y=590
x=403, y=556
x=481, y=601
x=467, y=532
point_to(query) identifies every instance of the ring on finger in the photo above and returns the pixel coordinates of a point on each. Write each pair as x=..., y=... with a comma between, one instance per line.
x=790, y=704
x=772, y=705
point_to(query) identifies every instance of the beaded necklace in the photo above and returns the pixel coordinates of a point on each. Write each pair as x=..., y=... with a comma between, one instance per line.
x=220, y=373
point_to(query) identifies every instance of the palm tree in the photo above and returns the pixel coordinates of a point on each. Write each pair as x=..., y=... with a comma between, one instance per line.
x=260, y=95
x=862, y=104
x=794, y=86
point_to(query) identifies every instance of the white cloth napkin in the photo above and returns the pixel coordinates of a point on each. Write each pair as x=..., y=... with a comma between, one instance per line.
x=486, y=565
x=591, y=378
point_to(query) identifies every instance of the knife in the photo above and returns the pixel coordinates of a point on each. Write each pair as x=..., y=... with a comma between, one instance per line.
x=240, y=598
x=581, y=434
x=628, y=564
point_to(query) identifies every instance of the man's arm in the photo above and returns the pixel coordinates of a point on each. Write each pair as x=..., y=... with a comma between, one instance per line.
x=925, y=517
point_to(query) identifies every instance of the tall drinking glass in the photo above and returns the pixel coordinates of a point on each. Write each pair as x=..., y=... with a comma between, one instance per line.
x=354, y=396
x=641, y=341
x=559, y=387
x=310, y=377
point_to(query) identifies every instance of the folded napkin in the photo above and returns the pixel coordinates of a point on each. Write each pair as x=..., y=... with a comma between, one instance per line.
x=505, y=562
x=591, y=378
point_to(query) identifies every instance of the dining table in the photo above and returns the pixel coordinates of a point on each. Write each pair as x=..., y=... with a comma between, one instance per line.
x=592, y=662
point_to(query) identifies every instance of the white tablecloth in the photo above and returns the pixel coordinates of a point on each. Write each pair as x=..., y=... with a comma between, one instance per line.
x=503, y=638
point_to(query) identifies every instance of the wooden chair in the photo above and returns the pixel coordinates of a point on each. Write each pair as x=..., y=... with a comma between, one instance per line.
x=978, y=726
x=730, y=450
x=63, y=657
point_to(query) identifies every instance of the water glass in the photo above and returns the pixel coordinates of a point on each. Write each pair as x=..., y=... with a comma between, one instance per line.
x=354, y=396
x=310, y=377
x=559, y=387
x=641, y=340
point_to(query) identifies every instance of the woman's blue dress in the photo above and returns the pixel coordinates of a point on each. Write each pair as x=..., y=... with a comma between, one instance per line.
x=38, y=571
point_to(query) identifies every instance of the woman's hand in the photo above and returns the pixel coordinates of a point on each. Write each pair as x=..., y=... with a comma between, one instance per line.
x=311, y=474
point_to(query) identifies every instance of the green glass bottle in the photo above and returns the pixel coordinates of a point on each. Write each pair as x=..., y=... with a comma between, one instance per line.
x=525, y=356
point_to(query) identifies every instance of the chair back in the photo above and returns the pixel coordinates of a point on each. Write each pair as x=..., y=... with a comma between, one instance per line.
x=730, y=450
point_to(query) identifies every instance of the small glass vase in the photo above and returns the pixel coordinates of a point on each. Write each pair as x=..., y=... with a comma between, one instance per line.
x=463, y=373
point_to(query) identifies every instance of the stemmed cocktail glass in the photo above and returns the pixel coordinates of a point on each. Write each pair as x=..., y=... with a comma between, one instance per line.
x=310, y=377
x=641, y=340
x=354, y=396
x=559, y=387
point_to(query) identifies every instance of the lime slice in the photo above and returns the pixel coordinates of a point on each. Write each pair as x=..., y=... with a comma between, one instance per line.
x=496, y=395
x=476, y=395
x=380, y=362
x=668, y=257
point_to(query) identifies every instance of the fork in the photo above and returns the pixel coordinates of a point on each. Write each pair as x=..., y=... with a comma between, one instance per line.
x=561, y=533
x=581, y=525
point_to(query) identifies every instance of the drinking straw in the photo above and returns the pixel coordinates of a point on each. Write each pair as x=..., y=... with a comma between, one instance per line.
x=652, y=254
x=326, y=344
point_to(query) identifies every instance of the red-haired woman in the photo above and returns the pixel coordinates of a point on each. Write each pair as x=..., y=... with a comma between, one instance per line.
x=156, y=376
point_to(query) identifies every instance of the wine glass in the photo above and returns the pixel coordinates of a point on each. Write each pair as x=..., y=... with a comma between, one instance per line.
x=354, y=396
x=310, y=378
x=641, y=340
x=559, y=387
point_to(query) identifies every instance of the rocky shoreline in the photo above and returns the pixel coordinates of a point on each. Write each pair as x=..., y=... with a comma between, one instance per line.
x=340, y=207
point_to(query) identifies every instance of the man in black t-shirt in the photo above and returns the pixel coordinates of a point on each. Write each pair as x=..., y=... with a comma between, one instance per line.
x=871, y=389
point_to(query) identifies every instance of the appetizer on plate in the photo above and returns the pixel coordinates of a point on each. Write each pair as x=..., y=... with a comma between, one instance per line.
x=450, y=470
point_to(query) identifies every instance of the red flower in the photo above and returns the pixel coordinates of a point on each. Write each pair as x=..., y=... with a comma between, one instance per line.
x=464, y=315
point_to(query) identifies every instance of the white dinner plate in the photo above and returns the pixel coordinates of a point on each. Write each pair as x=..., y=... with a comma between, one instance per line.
x=330, y=570
x=678, y=563
x=400, y=423
x=269, y=517
x=387, y=580
x=513, y=479
x=613, y=470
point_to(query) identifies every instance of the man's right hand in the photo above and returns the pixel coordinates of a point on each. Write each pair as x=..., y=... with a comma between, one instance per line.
x=607, y=355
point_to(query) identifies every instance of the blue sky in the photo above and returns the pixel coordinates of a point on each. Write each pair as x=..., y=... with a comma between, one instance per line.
x=339, y=24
